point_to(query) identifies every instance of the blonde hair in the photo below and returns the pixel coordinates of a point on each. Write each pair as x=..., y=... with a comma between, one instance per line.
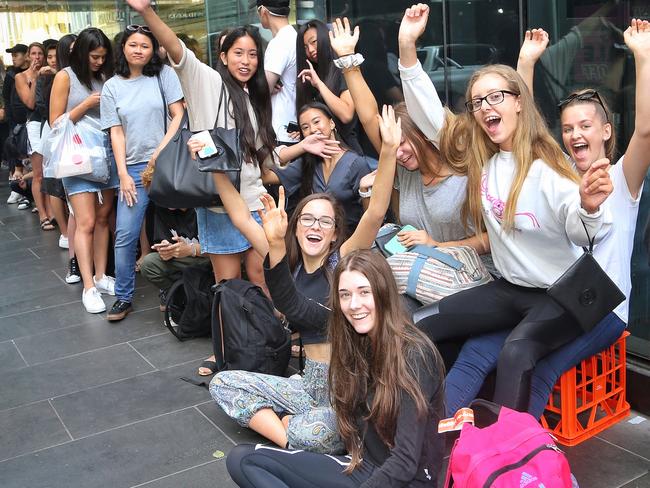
x=531, y=140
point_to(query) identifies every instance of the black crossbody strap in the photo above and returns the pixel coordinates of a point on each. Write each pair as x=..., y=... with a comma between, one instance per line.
x=589, y=238
x=162, y=94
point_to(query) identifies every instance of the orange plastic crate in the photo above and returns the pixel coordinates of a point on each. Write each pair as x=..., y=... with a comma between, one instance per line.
x=590, y=397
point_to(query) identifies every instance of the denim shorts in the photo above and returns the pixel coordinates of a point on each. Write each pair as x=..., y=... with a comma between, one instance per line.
x=218, y=235
x=75, y=184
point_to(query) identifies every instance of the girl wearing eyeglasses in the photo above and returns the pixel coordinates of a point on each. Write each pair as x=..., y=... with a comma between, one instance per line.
x=385, y=382
x=588, y=136
x=241, y=70
x=76, y=91
x=300, y=256
x=523, y=190
x=133, y=112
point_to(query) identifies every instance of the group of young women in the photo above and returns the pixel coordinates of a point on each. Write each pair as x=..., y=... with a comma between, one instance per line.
x=365, y=411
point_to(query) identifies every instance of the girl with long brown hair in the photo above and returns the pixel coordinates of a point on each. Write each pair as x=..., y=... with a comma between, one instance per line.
x=537, y=212
x=300, y=256
x=386, y=389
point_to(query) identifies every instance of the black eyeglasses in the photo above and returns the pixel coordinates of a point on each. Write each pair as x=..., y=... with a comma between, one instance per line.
x=309, y=220
x=494, y=98
x=585, y=96
x=138, y=28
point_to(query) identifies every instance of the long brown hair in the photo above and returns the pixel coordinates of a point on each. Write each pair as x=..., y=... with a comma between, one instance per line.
x=532, y=140
x=603, y=112
x=421, y=144
x=383, y=363
x=294, y=253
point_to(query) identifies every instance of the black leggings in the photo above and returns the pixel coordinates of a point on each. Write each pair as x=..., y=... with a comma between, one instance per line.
x=262, y=466
x=539, y=326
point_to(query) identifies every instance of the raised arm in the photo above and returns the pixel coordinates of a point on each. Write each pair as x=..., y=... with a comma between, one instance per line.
x=373, y=217
x=341, y=106
x=160, y=30
x=534, y=45
x=26, y=87
x=637, y=161
x=422, y=100
x=344, y=41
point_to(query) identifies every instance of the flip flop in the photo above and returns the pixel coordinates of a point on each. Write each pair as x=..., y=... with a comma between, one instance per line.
x=209, y=365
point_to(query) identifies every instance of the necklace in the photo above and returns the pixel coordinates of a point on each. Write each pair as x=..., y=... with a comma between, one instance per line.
x=443, y=178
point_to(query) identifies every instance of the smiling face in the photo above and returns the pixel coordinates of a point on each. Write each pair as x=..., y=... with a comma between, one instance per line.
x=310, y=40
x=584, y=132
x=498, y=121
x=315, y=241
x=138, y=50
x=241, y=59
x=314, y=121
x=357, y=301
x=96, y=59
x=406, y=155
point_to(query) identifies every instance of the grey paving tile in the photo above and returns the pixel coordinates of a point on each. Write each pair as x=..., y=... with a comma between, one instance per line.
x=29, y=282
x=10, y=357
x=38, y=299
x=131, y=400
x=231, y=428
x=632, y=434
x=89, y=336
x=27, y=429
x=165, y=350
x=34, y=383
x=642, y=482
x=9, y=241
x=49, y=318
x=596, y=463
x=211, y=475
x=122, y=457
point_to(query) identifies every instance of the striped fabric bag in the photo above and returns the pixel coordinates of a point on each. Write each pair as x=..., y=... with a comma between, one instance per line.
x=429, y=274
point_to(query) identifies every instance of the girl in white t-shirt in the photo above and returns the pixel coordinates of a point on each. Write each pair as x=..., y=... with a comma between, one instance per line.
x=521, y=187
x=588, y=136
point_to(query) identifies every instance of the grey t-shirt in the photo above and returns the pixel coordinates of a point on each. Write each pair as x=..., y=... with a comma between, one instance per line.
x=136, y=105
x=436, y=208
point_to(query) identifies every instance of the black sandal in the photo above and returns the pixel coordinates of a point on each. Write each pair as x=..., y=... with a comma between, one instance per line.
x=209, y=365
x=47, y=225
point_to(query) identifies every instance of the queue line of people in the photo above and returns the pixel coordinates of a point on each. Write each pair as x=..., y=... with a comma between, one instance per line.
x=492, y=178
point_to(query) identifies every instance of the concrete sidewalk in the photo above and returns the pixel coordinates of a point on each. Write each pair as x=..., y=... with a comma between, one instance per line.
x=88, y=403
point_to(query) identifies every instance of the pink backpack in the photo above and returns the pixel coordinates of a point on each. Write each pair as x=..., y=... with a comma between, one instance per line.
x=513, y=452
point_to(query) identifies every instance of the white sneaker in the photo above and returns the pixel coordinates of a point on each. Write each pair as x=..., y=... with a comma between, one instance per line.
x=92, y=300
x=14, y=197
x=63, y=242
x=106, y=285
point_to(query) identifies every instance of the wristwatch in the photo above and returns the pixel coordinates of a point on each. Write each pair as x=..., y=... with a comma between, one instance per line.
x=349, y=61
x=365, y=194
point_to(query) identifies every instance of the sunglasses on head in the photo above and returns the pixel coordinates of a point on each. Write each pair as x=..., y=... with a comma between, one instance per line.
x=585, y=96
x=138, y=28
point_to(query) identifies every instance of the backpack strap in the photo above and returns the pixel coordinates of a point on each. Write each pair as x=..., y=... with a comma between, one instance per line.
x=423, y=253
x=169, y=307
x=217, y=328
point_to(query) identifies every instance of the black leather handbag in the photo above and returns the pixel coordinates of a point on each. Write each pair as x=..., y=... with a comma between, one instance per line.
x=228, y=157
x=585, y=291
x=17, y=143
x=177, y=181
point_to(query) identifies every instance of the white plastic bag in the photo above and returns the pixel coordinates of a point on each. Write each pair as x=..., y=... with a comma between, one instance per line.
x=76, y=150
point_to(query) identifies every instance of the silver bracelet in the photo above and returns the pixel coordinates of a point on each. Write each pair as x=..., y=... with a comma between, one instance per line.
x=365, y=194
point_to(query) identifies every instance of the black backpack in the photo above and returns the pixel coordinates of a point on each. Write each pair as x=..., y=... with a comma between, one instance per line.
x=189, y=303
x=246, y=335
